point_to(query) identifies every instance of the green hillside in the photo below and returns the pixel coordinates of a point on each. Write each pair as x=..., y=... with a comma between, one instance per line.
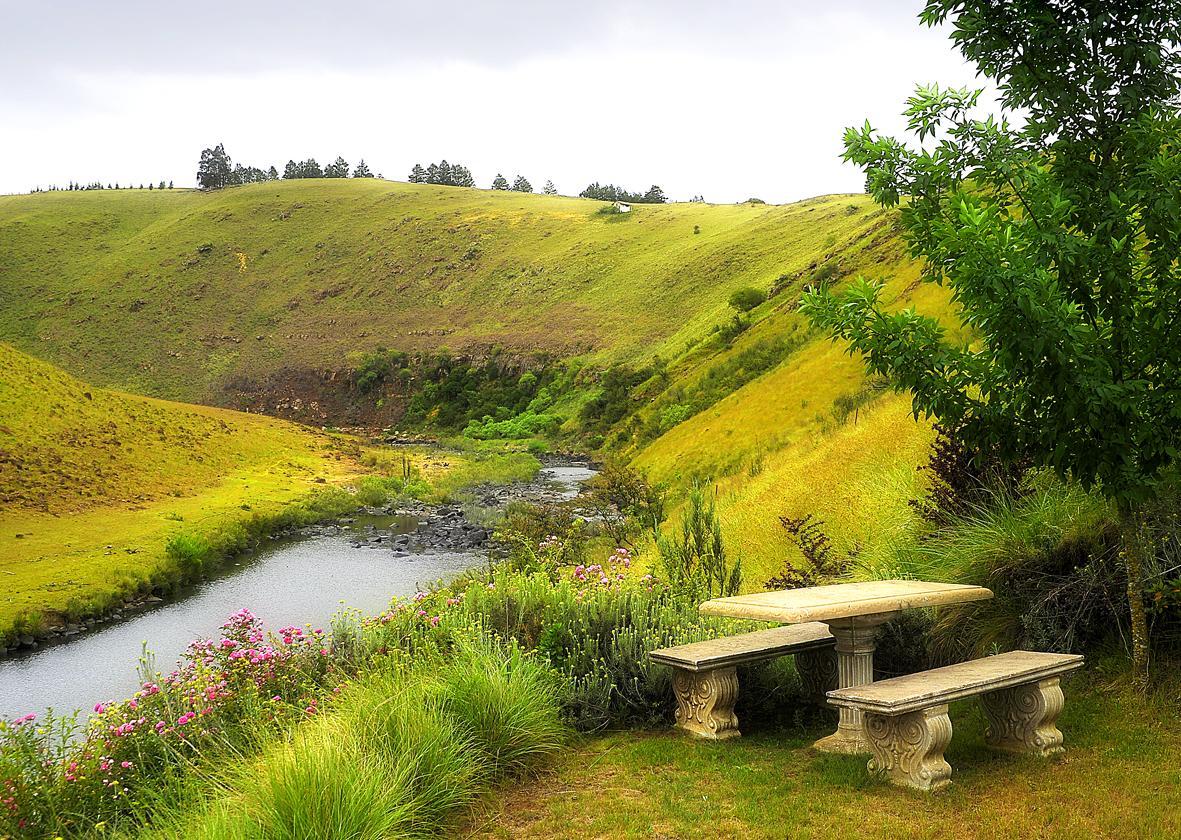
x=93, y=483
x=178, y=293
x=263, y=296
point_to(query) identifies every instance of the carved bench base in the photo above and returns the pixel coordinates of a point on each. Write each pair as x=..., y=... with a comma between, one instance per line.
x=908, y=749
x=1022, y=718
x=705, y=702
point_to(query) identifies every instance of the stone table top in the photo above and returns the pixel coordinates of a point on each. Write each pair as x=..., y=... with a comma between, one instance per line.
x=843, y=600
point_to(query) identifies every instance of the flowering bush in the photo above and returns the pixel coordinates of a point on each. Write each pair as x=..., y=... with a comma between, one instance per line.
x=594, y=625
x=226, y=693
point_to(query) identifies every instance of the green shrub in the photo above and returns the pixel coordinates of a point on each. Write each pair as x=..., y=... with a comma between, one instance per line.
x=190, y=551
x=747, y=298
x=1048, y=556
x=523, y=425
x=694, y=560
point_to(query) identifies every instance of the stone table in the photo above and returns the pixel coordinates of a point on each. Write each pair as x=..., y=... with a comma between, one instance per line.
x=853, y=612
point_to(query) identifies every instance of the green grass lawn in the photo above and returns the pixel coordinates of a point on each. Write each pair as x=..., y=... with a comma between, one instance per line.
x=1119, y=778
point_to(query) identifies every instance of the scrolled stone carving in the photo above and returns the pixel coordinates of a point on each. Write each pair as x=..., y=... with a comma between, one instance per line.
x=1022, y=718
x=818, y=673
x=908, y=749
x=705, y=702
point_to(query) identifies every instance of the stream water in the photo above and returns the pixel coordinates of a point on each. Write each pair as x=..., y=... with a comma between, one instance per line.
x=293, y=581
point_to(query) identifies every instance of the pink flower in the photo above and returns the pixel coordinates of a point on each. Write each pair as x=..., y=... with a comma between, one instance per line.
x=99, y=708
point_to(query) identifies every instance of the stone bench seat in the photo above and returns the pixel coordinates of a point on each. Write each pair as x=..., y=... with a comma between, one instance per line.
x=908, y=727
x=705, y=680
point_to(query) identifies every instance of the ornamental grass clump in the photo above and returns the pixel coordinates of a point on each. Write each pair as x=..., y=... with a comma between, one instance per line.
x=401, y=752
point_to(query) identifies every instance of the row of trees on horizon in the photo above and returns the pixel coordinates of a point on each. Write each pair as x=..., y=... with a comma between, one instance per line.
x=98, y=185
x=216, y=170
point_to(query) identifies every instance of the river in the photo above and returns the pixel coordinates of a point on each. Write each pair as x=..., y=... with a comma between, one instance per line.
x=292, y=581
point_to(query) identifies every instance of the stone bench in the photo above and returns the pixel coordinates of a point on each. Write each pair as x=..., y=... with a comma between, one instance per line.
x=906, y=718
x=706, y=681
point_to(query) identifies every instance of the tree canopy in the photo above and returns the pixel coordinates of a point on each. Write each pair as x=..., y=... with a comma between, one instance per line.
x=610, y=192
x=1058, y=239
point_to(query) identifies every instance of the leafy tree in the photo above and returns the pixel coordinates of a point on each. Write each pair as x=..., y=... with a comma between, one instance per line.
x=214, y=170
x=443, y=173
x=610, y=192
x=549, y=188
x=418, y=174
x=432, y=174
x=1058, y=240
x=500, y=182
x=272, y=174
x=521, y=184
x=291, y=170
x=747, y=298
x=361, y=170
x=461, y=176
x=339, y=168
x=655, y=195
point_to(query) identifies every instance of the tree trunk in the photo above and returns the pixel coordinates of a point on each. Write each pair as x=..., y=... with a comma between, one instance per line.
x=1136, y=543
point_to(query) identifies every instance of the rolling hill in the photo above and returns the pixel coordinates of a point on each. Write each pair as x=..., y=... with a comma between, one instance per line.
x=261, y=297
x=93, y=481
x=203, y=296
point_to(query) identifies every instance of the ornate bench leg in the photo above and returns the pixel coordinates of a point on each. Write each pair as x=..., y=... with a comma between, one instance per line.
x=908, y=748
x=1021, y=719
x=818, y=673
x=705, y=702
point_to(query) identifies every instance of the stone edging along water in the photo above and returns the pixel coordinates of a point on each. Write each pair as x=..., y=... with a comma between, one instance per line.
x=441, y=528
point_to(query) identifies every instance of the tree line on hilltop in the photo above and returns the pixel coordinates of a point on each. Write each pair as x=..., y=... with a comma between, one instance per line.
x=216, y=170
x=610, y=192
x=98, y=185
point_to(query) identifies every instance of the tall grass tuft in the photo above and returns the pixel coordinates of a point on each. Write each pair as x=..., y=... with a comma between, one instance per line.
x=507, y=701
x=1047, y=556
x=399, y=754
x=326, y=784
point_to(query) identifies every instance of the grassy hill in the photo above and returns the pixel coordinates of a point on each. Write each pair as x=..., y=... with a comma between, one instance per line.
x=92, y=482
x=95, y=483
x=277, y=278
x=262, y=296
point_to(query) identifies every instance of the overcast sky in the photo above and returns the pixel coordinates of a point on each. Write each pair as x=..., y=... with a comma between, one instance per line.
x=724, y=98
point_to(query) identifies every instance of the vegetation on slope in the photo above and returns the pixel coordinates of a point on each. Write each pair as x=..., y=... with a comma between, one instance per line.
x=247, y=286
x=109, y=495
x=284, y=296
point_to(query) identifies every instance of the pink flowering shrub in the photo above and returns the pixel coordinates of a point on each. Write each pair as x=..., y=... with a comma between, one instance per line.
x=57, y=774
x=593, y=624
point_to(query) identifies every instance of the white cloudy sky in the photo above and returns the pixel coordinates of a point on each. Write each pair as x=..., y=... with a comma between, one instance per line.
x=724, y=99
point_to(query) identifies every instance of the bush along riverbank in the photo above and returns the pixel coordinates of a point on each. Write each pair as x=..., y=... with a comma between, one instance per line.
x=509, y=661
x=191, y=554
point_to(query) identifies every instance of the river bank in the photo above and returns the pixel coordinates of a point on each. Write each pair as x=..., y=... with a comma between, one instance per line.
x=302, y=575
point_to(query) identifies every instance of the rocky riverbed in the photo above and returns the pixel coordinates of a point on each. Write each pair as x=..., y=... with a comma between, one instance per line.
x=444, y=529
x=454, y=527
